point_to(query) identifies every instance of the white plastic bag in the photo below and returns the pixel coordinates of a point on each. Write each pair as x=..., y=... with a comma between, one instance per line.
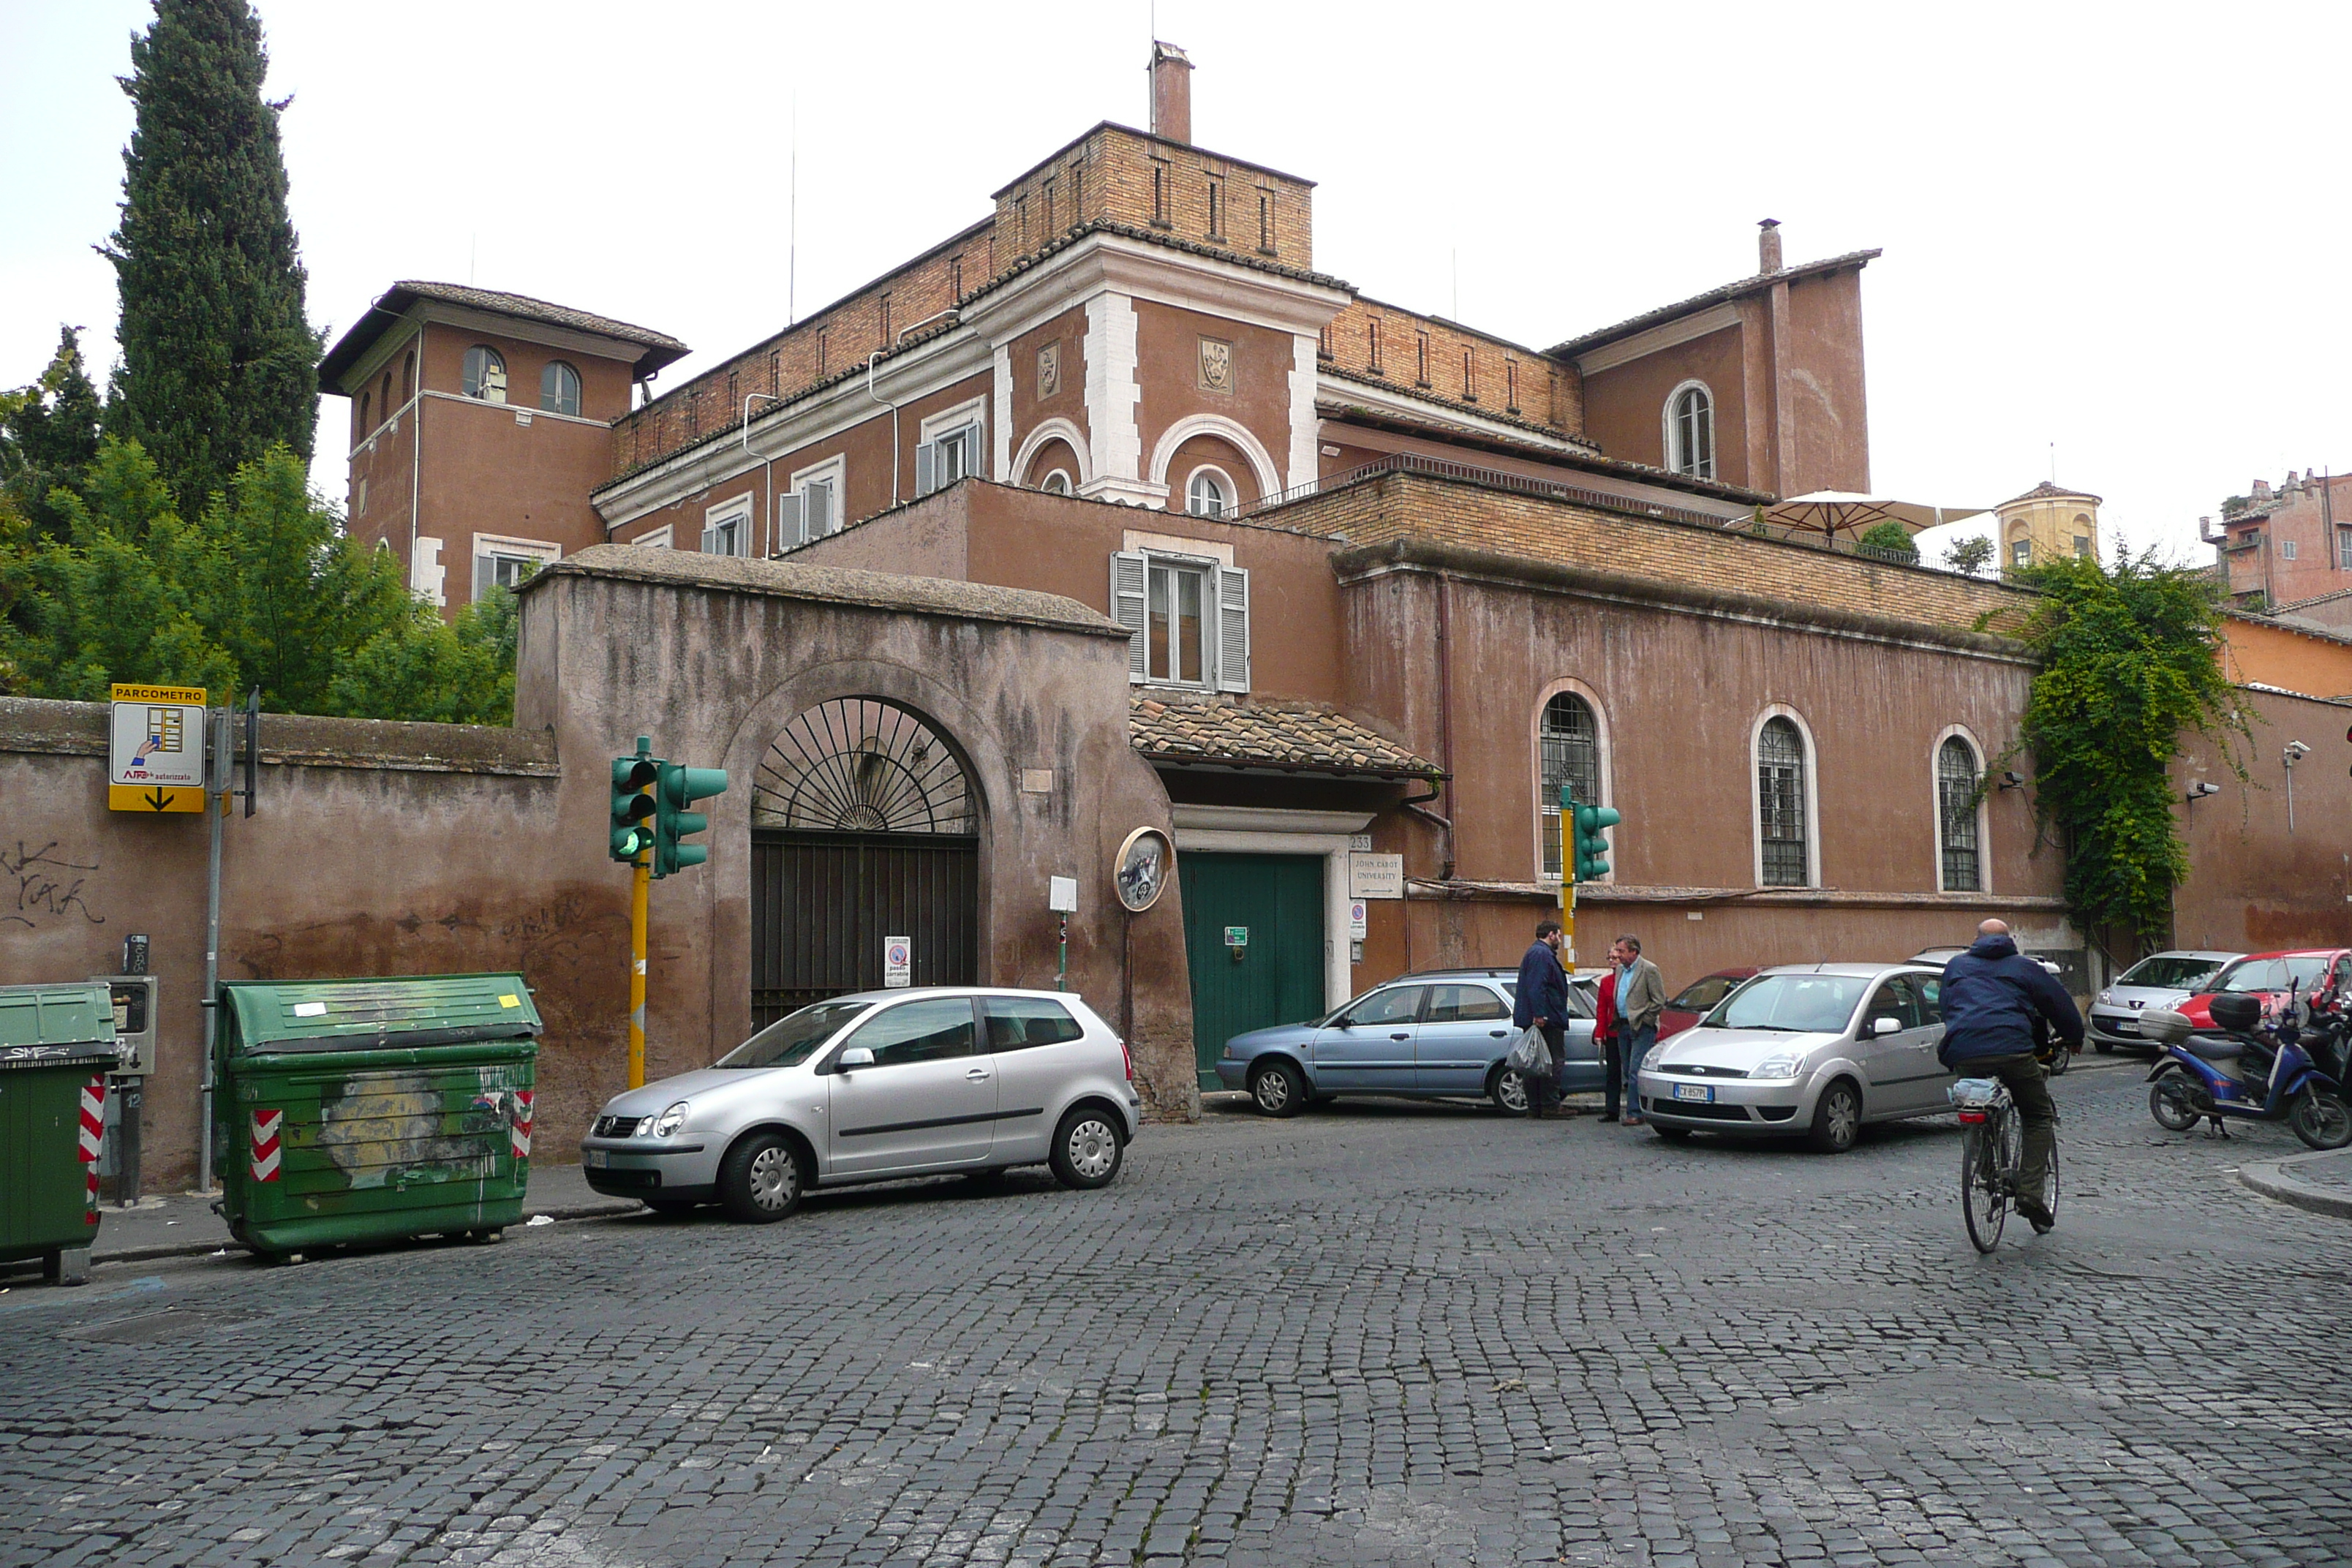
x=1530, y=1054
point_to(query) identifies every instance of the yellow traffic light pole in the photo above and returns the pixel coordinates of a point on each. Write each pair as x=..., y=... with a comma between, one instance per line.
x=1567, y=879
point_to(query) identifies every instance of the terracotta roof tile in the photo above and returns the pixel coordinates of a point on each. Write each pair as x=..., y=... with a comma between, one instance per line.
x=1751, y=285
x=1287, y=737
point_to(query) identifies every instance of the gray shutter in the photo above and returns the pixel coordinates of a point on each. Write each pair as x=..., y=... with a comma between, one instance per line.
x=1232, y=629
x=976, y=452
x=926, y=466
x=1126, y=591
x=485, y=569
x=816, y=517
x=788, y=521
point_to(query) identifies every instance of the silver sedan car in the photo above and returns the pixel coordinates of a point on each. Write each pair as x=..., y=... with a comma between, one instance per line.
x=872, y=1087
x=1812, y=1051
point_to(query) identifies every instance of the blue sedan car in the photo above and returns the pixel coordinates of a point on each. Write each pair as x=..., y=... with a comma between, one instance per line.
x=1438, y=1035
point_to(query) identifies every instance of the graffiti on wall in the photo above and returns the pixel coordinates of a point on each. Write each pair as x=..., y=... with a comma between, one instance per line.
x=43, y=887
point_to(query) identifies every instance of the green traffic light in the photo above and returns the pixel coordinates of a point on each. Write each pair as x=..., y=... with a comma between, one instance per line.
x=631, y=804
x=677, y=788
x=1591, y=850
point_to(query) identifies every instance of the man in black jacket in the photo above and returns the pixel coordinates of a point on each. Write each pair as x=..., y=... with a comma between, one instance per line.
x=1992, y=997
x=1542, y=1004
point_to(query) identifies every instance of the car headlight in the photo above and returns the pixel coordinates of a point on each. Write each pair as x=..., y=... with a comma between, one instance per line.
x=1229, y=1050
x=670, y=1120
x=2107, y=997
x=1783, y=1066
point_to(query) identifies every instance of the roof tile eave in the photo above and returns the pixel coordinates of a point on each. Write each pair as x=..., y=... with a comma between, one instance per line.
x=1855, y=259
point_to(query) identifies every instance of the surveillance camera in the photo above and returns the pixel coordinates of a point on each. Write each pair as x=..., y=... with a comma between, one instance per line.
x=2294, y=751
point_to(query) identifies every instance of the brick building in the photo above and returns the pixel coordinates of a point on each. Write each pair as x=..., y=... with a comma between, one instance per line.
x=1388, y=581
x=2288, y=548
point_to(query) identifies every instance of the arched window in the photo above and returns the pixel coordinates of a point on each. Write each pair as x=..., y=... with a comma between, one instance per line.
x=408, y=375
x=1057, y=483
x=485, y=374
x=365, y=426
x=1690, y=432
x=385, y=402
x=1570, y=739
x=1210, y=494
x=1955, y=816
x=559, y=389
x=1781, y=814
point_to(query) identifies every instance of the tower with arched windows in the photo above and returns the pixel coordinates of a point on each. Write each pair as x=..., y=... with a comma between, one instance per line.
x=2046, y=524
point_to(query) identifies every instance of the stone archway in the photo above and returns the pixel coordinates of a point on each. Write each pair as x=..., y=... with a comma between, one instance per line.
x=865, y=827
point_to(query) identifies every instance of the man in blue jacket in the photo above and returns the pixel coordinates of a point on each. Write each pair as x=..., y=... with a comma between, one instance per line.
x=1992, y=995
x=1542, y=1004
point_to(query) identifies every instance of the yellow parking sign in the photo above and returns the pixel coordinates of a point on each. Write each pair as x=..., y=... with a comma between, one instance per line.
x=155, y=749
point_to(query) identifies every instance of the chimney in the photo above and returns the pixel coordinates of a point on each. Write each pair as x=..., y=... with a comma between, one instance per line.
x=1768, y=247
x=1172, y=93
x=2262, y=487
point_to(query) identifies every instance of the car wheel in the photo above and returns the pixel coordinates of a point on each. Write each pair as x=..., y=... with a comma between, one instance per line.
x=1509, y=1092
x=670, y=1209
x=1087, y=1149
x=760, y=1180
x=1276, y=1090
x=2104, y=1047
x=1837, y=1119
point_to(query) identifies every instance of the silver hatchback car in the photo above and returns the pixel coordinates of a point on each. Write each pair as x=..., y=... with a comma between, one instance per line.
x=1814, y=1051
x=873, y=1088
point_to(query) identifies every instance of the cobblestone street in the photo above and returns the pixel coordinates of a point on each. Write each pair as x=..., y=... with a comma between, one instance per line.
x=1378, y=1334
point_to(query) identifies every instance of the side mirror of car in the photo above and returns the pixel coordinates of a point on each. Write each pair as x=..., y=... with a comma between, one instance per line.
x=855, y=1057
x=1343, y=1023
x=1886, y=1026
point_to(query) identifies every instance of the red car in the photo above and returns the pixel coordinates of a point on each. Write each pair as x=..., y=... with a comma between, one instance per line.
x=2304, y=972
x=1697, y=999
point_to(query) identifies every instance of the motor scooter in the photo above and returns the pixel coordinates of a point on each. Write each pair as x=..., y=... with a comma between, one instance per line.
x=2242, y=1076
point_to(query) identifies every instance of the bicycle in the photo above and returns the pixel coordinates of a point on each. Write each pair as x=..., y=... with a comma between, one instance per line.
x=1993, y=1149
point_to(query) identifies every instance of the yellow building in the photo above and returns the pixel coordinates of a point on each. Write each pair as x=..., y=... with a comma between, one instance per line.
x=2047, y=523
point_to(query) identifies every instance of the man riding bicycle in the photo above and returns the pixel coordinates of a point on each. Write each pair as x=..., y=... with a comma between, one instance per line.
x=1992, y=998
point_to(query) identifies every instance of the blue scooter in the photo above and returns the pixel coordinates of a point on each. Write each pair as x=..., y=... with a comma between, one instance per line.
x=2243, y=1075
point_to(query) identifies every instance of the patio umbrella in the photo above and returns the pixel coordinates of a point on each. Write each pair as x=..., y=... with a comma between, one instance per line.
x=1834, y=512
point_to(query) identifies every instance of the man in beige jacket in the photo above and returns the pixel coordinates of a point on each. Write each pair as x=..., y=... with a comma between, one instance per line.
x=1641, y=997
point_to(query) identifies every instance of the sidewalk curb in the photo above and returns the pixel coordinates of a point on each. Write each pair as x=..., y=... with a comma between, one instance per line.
x=2273, y=1179
x=607, y=1210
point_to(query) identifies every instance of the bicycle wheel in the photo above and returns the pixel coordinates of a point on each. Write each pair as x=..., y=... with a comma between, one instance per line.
x=1984, y=1201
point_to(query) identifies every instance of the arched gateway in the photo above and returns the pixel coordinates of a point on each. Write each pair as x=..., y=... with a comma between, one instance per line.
x=863, y=827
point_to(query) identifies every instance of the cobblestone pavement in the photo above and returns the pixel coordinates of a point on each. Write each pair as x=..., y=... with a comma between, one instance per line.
x=1379, y=1333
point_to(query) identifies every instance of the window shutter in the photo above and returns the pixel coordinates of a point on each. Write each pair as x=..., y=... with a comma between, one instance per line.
x=1232, y=629
x=485, y=569
x=975, y=462
x=710, y=545
x=817, y=516
x=926, y=468
x=789, y=512
x=1127, y=589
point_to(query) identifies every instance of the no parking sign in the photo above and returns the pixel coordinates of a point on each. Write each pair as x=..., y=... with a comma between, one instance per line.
x=897, y=963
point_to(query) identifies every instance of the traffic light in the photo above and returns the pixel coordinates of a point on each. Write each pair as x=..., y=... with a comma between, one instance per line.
x=633, y=802
x=678, y=788
x=1588, y=848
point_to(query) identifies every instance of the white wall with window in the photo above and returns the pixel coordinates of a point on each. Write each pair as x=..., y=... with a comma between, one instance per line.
x=1187, y=619
x=1571, y=747
x=1788, y=813
x=951, y=447
x=505, y=562
x=1963, y=815
x=1690, y=430
x=727, y=527
x=811, y=507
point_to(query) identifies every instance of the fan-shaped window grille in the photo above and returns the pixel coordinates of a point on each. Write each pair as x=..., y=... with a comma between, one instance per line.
x=1572, y=755
x=1781, y=805
x=859, y=766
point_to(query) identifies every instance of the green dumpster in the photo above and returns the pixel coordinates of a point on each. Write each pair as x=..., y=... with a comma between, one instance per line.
x=57, y=1044
x=360, y=1111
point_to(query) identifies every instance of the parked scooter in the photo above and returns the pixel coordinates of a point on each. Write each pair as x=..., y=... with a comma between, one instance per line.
x=2244, y=1075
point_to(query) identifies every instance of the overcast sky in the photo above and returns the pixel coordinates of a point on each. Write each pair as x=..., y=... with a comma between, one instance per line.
x=2112, y=230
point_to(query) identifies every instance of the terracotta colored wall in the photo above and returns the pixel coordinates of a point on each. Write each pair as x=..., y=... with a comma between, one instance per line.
x=2295, y=513
x=1069, y=330
x=2275, y=656
x=2253, y=885
x=1168, y=371
x=1624, y=405
x=1828, y=406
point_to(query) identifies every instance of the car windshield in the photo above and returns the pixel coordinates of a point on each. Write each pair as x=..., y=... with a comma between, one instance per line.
x=788, y=1041
x=2272, y=974
x=1790, y=1003
x=2168, y=973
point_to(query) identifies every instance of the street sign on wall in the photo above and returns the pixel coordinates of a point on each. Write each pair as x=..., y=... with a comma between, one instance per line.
x=1376, y=876
x=897, y=963
x=155, y=751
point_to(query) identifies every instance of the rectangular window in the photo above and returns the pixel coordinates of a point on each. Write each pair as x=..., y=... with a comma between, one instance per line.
x=1420, y=359
x=886, y=320
x=1158, y=194
x=955, y=278
x=1266, y=222
x=822, y=345
x=2021, y=553
x=947, y=457
x=1216, y=209
x=734, y=394
x=811, y=507
x=2287, y=548
x=1323, y=343
x=1077, y=192
x=775, y=371
x=508, y=562
x=726, y=528
x=1511, y=385
x=2343, y=548
x=1188, y=620
x=1046, y=189
x=1021, y=218
x=1374, y=337
x=1469, y=376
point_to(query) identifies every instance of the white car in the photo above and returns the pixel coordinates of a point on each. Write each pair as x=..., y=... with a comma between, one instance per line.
x=1805, y=1050
x=873, y=1088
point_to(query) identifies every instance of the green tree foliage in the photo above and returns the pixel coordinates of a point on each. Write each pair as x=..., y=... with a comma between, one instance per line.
x=2128, y=672
x=1891, y=537
x=219, y=362
x=48, y=435
x=1970, y=553
x=262, y=589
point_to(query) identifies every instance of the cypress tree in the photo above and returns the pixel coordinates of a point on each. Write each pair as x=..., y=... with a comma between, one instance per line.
x=48, y=435
x=218, y=359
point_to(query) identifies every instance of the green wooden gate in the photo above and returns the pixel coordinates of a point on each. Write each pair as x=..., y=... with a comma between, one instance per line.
x=1277, y=899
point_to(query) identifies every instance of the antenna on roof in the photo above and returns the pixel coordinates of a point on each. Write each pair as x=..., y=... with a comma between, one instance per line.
x=793, y=219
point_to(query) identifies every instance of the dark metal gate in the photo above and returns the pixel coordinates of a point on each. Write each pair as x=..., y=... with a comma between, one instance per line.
x=863, y=829
x=822, y=903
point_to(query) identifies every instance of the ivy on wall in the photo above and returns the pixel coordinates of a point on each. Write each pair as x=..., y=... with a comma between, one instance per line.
x=2128, y=672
